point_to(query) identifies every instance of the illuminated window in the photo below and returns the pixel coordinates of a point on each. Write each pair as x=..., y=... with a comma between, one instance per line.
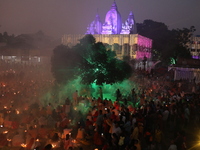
x=126, y=49
x=117, y=48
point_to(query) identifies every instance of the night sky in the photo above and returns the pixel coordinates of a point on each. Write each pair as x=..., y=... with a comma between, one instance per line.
x=58, y=17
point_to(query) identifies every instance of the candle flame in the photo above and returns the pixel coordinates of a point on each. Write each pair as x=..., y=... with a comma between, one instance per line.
x=4, y=132
x=53, y=145
x=23, y=145
x=17, y=111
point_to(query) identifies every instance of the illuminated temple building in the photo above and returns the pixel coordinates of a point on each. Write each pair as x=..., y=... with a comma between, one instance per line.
x=120, y=37
x=195, y=47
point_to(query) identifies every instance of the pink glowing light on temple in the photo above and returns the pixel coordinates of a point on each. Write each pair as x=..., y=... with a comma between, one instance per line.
x=144, y=46
x=116, y=32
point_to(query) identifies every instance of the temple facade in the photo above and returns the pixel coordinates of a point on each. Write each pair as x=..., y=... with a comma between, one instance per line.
x=194, y=47
x=117, y=36
x=133, y=45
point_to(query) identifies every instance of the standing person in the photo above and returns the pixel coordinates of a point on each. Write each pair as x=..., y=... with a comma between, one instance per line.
x=88, y=126
x=186, y=115
x=99, y=122
x=165, y=115
x=115, y=141
x=68, y=142
x=106, y=128
x=172, y=146
x=100, y=93
x=179, y=141
x=118, y=95
x=148, y=139
x=81, y=133
x=158, y=138
x=98, y=140
x=133, y=95
x=43, y=132
x=116, y=129
x=137, y=144
x=66, y=106
x=135, y=133
x=75, y=97
x=66, y=131
x=49, y=109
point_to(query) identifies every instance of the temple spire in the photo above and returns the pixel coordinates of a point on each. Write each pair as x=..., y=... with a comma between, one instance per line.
x=113, y=23
x=114, y=5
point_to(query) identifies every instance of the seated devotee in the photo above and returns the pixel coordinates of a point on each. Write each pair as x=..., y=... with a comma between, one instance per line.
x=33, y=144
x=49, y=109
x=17, y=139
x=42, y=120
x=51, y=123
x=64, y=122
x=81, y=133
x=66, y=131
x=43, y=132
x=33, y=132
x=55, y=141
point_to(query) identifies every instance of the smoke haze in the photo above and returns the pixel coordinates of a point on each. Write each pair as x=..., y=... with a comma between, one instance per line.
x=58, y=17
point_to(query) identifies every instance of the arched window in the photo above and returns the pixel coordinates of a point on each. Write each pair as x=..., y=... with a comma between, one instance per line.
x=126, y=49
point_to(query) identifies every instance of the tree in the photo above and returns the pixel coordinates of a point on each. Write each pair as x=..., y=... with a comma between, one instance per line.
x=25, y=43
x=95, y=64
x=101, y=65
x=167, y=43
x=179, y=44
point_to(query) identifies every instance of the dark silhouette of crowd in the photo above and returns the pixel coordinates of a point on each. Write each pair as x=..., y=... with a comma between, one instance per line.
x=157, y=115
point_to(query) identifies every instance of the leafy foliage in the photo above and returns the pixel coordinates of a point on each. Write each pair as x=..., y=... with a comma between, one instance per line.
x=24, y=43
x=93, y=63
x=167, y=43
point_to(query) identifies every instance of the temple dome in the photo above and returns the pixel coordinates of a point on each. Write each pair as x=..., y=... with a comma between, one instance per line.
x=132, y=23
x=95, y=26
x=113, y=20
x=98, y=24
x=113, y=23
